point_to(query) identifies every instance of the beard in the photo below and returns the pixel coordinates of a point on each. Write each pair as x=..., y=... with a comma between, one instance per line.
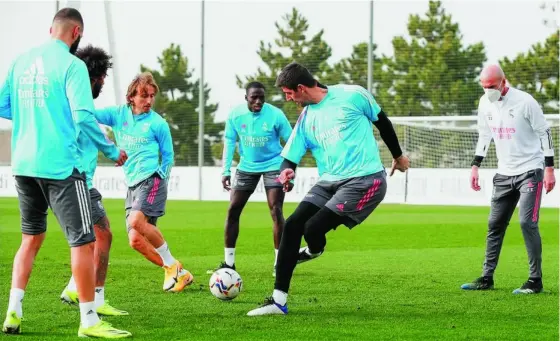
x=75, y=45
x=96, y=90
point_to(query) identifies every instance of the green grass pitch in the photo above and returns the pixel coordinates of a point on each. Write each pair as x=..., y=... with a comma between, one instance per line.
x=395, y=277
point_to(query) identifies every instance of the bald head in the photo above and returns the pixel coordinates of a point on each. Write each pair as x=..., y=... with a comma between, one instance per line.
x=492, y=76
x=68, y=26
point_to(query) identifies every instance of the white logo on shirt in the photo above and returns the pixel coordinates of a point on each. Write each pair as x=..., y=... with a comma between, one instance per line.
x=265, y=127
x=30, y=92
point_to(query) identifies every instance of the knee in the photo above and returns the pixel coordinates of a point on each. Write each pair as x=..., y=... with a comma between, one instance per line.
x=32, y=243
x=234, y=212
x=135, y=241
x=527, y=223
x=103, y=235
x=136, y=221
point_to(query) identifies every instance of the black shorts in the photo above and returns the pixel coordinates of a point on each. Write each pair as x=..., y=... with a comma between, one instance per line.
x=69, y=200
x=149, y=197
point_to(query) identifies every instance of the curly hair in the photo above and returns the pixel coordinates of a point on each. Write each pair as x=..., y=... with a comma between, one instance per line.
x=98, y=61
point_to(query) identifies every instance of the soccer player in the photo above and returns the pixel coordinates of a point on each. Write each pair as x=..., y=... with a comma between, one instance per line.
x=47, y=95
x=144, y=134
x=515, y=121
x=337, y=125
x=98, y=63
x=259, y=126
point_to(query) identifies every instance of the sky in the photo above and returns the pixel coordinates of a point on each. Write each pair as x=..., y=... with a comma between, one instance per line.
x=233, y=30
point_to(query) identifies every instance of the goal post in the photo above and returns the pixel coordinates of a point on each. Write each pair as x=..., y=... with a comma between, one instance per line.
x=447, y=141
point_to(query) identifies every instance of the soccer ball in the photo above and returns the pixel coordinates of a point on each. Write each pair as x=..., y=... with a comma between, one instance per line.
x=225, y=284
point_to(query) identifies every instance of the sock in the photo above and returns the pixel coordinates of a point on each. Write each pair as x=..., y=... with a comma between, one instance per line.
x=230, y=256
x=275, y=256
x=280, y=297
x=16, y=298
x=308, y=252
x=72, y=284
x=165, y=255
x=88, y=316
x=99, y=296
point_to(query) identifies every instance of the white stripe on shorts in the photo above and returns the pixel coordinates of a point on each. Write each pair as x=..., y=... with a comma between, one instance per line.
x=85, y=214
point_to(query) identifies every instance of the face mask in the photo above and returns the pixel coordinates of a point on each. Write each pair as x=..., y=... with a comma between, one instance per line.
x=493, y=94
x=96, y=89
x=74, y=46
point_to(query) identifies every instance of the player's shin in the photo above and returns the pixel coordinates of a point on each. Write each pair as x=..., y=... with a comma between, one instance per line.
x=83, y=271
x=23, y=261
x=140, y=244
x=103, y=241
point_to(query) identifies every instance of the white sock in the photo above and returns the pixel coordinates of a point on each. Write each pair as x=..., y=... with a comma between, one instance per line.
x=165, y=255
x=72, y=284
x=280, y=297
x=16, y=298
x=275, y=256
x=99, y=296
x=88, y=316
x=230, y=256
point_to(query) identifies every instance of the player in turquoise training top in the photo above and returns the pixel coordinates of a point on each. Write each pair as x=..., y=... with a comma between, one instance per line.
x=144, y=134
x=258, y=127
x=98, y=63
x=337, y=126
x=48, y=97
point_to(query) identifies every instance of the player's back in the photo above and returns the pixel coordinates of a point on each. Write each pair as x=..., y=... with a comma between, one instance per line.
x=44, y=133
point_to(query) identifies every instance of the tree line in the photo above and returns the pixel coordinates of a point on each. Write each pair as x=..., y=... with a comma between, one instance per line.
x=431, y=72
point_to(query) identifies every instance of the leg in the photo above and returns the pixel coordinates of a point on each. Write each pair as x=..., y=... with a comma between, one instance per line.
x=504, y=200
x=138, y=221
x=287, y=260
x=243, y=186
x=103, y=240
x=318, y=226
x=275, y=199
x=355, y=199
x=141, y=244
x=530, y=186
x=238, y=200
x=33, y=209
x=145, y=202
x=289, y=245
x=71, y=204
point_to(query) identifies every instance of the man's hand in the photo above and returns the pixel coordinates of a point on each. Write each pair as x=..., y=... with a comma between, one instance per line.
x=474, y=179
x=401, y=163
x=549, y=179
x=226, y=182
x=285, y=178
x=122, y=158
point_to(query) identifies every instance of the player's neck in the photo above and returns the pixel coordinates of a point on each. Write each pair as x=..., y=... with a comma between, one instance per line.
x=317, y=94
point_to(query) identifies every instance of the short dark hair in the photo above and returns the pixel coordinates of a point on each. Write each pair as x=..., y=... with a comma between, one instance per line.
x=254, y=85
x=69, y=13
x=97, y=60
x=294, y=74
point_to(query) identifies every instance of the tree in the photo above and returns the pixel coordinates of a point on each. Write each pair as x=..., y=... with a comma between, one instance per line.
x=536, y=72
x=178, y=103
x=292, y=44
x=432, y=72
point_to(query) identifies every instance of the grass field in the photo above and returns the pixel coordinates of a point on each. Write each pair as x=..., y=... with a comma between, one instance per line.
x=396, y=277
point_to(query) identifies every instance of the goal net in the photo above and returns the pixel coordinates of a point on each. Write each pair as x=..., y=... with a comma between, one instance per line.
x=447, y=141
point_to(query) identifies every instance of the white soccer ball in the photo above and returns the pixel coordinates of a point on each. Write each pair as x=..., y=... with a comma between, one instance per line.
x=225, y=284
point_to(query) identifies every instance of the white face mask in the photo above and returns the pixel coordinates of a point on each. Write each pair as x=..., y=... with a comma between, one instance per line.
x=493, y=94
